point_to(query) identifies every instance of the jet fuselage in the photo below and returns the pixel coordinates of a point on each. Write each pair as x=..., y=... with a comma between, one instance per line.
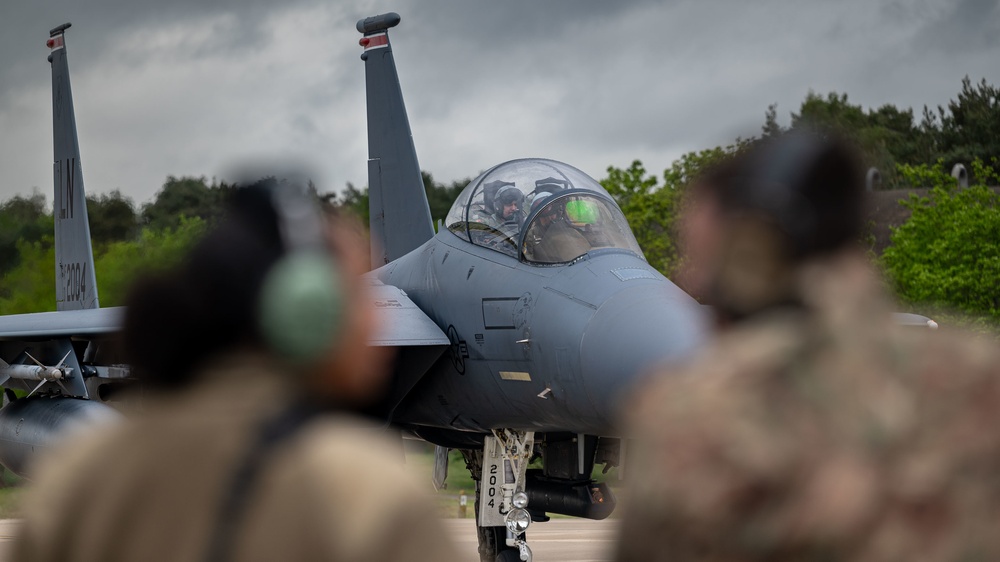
x=537, y=347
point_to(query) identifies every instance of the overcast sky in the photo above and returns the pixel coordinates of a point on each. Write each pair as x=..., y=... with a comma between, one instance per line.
x=179, y=88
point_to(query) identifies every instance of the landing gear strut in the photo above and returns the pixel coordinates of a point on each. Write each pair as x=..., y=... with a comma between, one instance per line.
x=499, y=473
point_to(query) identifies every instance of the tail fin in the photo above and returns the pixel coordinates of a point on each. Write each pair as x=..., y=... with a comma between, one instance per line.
x=400, y=217
x=76, y=285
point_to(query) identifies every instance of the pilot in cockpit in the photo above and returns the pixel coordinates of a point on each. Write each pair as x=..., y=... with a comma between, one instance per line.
x=552, y=239
x=504, y=207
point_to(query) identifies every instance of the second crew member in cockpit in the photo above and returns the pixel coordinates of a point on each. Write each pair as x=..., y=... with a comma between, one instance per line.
x=551, y=238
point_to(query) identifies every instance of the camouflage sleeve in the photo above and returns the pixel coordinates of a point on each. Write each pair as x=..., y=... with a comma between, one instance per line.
x=772, y=447
x=710, y=449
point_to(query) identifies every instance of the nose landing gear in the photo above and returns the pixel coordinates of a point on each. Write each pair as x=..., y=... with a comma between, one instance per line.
x=501, y=514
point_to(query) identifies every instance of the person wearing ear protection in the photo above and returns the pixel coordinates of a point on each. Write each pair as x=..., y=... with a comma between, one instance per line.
x=502, y=207
x=252, y=353
x=814, y=427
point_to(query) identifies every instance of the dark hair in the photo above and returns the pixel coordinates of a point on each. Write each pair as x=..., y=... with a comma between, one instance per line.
x=206, y=305
x=807, y=184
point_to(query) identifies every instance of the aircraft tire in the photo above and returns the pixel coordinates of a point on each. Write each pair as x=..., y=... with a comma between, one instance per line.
x=492, y=540
x=493, y=545
x=510, y=555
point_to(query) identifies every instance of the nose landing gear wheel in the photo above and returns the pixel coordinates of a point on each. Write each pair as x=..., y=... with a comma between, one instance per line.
x=493, y=544
x=508, y=556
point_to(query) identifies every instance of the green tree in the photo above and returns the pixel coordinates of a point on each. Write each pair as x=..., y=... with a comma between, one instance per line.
x=185, y=197
x=440, y=197
x=771, y=128
x=652, y=210
x=948, y=252
x=22, y=219
x=353, y=201
x=112, y=217
x=885, y=136
x=967, y=129
x=123, y=261
x=31, y=285
x=970, y=127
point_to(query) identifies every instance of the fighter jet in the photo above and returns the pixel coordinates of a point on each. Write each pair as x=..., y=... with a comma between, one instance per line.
x=62, y=358
x=550, y=308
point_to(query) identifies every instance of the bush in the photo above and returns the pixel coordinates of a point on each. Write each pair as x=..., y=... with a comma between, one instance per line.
x=948, y=252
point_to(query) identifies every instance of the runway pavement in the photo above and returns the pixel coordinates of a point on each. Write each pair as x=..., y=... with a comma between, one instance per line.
x=559, y=540
x=8, y=528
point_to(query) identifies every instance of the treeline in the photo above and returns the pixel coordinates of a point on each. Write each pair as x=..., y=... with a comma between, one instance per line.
x=440, y=196
x=947, y=254
x=966, y=129
x=129, y=238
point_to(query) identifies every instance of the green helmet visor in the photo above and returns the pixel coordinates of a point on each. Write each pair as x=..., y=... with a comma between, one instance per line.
x=582, y=212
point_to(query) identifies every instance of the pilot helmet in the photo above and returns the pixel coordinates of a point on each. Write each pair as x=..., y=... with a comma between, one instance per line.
x=506, y=195
x=539, y=199
x=490, y=191
x=551, y=185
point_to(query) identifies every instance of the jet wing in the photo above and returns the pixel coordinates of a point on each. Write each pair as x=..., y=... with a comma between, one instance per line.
x=417, y=340
x=910, y=319
x=402, y=323
x=65, y=323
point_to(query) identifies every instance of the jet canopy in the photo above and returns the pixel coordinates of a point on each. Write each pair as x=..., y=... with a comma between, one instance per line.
x=539, y=211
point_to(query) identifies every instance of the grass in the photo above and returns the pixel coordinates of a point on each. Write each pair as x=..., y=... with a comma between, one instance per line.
x=948, y=317
x=10, y=504
x=10, y=495
x=420, y=462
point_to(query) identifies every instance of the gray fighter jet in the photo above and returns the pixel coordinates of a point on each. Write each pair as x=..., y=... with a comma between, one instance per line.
x=549, y=306
x=67, y=360
x=60, y=358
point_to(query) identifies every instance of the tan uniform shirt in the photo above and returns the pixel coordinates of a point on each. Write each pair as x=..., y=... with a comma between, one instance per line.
x=824, y=435
x=151, y=488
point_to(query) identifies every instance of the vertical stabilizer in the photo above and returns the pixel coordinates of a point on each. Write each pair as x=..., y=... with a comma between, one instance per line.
x=76, y=285
x=399, y=214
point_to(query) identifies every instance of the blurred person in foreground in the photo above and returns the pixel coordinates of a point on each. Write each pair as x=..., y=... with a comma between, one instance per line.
x=813, y=427
x=256, y=345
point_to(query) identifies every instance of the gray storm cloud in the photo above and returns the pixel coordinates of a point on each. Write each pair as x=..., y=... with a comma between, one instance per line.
x=184, y=89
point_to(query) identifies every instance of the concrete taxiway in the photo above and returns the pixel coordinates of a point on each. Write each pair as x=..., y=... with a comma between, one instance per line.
x=8, y=529
x=559, y=540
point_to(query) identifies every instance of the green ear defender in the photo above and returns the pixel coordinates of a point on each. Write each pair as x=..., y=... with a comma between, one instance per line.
x=300, y=305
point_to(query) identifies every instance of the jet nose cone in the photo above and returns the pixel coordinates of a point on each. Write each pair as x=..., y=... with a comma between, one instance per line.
x=631, y=334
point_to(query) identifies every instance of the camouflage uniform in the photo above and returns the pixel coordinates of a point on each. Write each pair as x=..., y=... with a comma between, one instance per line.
x=830, y=434
x=151, y=489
